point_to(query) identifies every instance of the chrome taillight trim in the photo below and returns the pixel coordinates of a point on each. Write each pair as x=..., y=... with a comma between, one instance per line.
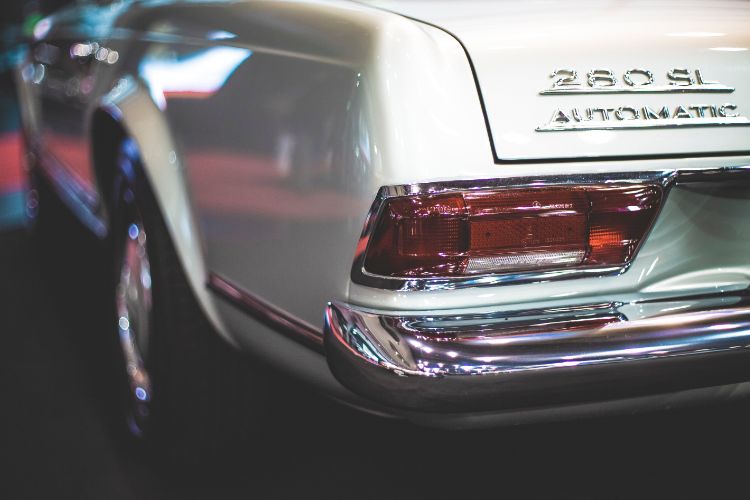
x=665, y=178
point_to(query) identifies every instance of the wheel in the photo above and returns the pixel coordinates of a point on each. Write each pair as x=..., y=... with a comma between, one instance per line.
x=185, y=390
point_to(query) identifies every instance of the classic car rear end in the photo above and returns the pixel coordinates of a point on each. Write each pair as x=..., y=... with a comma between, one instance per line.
x=610, y=256
x=504, y=210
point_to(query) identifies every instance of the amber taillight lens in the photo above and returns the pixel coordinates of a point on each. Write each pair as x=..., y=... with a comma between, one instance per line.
x=466, y=233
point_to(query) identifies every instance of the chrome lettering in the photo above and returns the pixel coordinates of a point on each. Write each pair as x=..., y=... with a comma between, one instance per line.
x=628, y=77
x=577, y=115
x=723, y=110
x=645, y=117
x=650, y=114
x=681, y=112
x=634, y=80
x=601, y=78
x=701, y=81
x=632, y=112
x=699, y=108
x=567, y=78
x=680, y=76
x=603, y=112
x=559, y=116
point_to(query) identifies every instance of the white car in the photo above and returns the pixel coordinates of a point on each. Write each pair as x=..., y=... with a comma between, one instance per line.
x=459, y=213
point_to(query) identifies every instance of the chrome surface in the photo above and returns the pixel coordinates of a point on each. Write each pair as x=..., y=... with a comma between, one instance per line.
x=628, y=117
x=643, y=88
x=467, y=362
x=666, y=178
x=562, y=122
x=268, y=314
x=628, y=77
x=133, y=303
x=604, y=81
x=84, y=204
x=597, y=78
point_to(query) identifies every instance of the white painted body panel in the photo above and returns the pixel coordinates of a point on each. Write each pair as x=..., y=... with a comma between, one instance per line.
x=276, y=167
x=516, y=46
x=147, y=127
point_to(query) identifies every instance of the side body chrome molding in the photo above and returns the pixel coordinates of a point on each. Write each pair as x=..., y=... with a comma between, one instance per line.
x=78, y=199
x=266, y=313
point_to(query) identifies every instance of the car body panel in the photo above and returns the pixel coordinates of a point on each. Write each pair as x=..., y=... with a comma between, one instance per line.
x=517, y=46
x=268, y=128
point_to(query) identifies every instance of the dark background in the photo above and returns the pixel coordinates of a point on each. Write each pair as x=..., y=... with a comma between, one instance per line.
x=58, y=438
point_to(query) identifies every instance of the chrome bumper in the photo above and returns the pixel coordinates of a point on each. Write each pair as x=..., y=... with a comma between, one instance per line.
x=517, y=360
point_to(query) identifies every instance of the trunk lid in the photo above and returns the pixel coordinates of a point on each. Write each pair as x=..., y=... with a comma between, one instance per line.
x=694, y=54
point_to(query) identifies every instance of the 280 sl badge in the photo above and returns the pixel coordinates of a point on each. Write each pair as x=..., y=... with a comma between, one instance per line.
x=638, y=80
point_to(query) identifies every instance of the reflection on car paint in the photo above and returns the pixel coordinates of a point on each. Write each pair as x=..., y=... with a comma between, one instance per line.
x=197, y=75
x=11, y=184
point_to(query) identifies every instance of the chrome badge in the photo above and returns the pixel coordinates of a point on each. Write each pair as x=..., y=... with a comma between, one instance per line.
x=629, y=116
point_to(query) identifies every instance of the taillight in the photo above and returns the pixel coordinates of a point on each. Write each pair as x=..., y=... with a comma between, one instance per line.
x=472, y=232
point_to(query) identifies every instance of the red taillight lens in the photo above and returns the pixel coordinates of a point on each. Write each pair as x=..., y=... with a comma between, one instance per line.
x=489, y=231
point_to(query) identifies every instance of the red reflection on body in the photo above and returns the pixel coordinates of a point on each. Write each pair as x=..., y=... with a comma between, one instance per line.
x=11, y=173
x=231, y=183
x=73, y=153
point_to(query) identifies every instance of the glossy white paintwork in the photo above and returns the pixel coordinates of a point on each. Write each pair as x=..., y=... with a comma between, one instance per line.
x=146, y=125
x=268, y=177
x=516, y=46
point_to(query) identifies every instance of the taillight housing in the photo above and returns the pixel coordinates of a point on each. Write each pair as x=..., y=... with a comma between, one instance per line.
x=474, y=232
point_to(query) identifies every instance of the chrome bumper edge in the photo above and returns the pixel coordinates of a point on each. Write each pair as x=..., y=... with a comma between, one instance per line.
x=457, y=363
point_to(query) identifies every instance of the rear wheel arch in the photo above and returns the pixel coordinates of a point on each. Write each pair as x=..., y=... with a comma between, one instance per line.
x=138, y=118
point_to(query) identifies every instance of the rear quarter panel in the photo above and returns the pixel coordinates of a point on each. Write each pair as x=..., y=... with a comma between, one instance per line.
x=277, y=115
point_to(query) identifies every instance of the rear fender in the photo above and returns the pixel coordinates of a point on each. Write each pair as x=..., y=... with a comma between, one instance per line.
x=130, y=105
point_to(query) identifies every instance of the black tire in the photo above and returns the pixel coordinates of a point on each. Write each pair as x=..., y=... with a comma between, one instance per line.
x=206, y=399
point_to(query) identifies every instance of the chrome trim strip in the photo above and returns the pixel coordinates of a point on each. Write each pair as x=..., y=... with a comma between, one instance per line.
x=266, y=313
x=666, y=178
x=453, y=362
x=714, y=88
x=739, y=173
x=738, y=121
x=83, y=203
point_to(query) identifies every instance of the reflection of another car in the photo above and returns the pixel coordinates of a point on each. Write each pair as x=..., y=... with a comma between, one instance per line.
x=256, y=167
